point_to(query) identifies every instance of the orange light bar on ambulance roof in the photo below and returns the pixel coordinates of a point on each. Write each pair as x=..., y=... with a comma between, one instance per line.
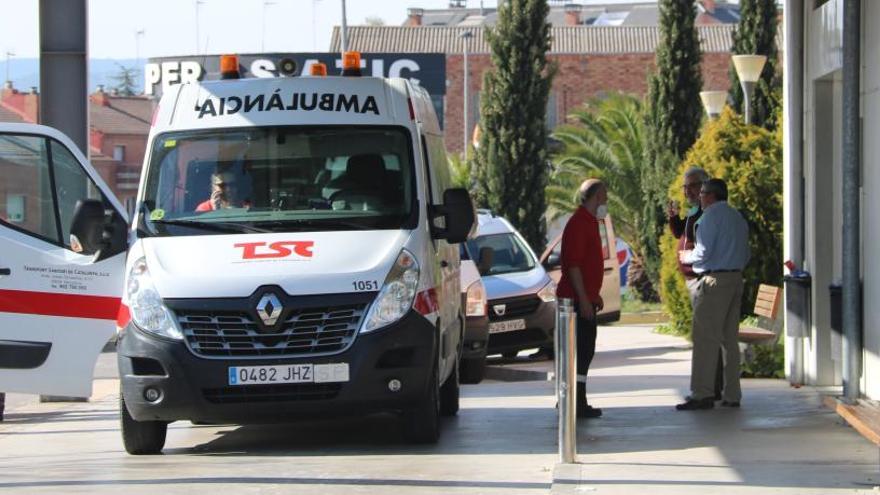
x=351, y=64
x=318, y=70
x=229, y=67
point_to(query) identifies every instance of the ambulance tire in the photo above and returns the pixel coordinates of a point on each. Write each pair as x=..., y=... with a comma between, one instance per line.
x=421, y=424
x=141, y=437
x=473, y=370
x=449, y=394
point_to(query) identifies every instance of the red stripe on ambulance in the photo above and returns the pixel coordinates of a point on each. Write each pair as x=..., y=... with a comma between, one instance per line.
x=55, y=304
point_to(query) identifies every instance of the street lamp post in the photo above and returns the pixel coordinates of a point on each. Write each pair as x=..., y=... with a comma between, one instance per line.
x=9, y=55
x=465, y=36
x=266, y=3
x=713, y=102
x=748, y=69
x=344, y=30
x=197, y=3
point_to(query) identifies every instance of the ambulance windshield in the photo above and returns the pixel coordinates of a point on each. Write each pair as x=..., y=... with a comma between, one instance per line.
x=280, y=179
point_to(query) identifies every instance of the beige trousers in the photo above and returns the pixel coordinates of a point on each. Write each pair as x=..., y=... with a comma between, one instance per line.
x=717, y=299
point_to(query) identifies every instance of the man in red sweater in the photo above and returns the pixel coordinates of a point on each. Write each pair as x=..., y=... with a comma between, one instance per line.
x=583, y=268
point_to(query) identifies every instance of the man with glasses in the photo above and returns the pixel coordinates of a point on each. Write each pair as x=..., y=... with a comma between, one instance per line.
x=720, y=253
x=224, y=193
x=684, y=229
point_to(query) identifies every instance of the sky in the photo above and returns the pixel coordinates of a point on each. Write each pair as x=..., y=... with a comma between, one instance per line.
x=224, y=26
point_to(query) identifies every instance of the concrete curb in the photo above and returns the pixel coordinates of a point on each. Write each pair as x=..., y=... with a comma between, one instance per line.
x=566, y=479
x=507, y=374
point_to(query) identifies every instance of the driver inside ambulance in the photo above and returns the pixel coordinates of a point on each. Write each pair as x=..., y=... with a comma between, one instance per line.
x=224, y=193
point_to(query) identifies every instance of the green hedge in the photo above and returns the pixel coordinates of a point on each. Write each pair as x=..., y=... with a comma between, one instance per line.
x=749, y=159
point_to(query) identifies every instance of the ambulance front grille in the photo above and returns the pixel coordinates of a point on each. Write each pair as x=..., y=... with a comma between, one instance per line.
x=305, y=332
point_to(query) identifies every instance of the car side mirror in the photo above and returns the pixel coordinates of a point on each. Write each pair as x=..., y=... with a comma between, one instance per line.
x=97, y=231
x=552, y=261
x=459, y=215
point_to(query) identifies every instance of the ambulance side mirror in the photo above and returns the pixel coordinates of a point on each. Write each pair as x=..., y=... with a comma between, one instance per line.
x=97, y=231
x=458, y=211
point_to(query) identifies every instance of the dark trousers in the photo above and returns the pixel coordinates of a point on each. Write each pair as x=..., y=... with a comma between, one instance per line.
x=2, y=404
x=586, y=349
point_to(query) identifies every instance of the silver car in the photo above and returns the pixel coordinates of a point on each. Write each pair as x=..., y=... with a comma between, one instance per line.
x=521, y=296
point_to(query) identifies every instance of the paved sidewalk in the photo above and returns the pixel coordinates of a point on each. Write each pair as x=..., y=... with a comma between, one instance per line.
x=782, y=440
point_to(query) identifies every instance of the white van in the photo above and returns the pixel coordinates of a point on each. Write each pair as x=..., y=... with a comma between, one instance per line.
x=292, y=254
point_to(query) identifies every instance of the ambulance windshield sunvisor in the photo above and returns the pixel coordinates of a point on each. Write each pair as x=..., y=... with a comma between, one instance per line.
x=281, y=179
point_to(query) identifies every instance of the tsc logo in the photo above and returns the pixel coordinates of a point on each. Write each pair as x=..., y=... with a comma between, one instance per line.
x=280, y=249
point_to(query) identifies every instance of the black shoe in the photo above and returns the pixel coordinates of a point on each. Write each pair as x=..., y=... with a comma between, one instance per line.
x=694, y=404
x=589, y=412
x=732, y=403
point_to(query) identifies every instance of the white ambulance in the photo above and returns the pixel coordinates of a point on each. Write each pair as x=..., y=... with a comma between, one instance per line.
x=292, y=254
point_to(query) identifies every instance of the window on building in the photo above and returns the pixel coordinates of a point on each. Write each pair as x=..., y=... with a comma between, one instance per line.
x=550, y=114
x=119, y=153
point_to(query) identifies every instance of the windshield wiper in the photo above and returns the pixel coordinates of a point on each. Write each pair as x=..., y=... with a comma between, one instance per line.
x=215, y=226
x=301, y=223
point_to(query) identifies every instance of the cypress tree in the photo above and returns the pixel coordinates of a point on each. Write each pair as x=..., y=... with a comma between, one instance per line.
x=755, y=34
x=673, y=118
x=510, y=172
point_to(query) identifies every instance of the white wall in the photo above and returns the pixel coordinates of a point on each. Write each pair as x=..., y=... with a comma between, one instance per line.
x=871, y=196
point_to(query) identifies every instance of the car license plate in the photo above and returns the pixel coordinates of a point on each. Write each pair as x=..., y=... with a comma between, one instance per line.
x=507, y=326
x=288, y=373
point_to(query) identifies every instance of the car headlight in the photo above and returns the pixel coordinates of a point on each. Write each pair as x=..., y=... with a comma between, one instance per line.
x=476, y=300
x=548, y=293
x=397, y=294
x=148, y=311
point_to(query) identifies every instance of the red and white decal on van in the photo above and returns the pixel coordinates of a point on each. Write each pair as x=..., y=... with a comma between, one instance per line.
x=279, y=249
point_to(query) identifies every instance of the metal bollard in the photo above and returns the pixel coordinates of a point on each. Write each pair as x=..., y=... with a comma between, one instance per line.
x=566, y=379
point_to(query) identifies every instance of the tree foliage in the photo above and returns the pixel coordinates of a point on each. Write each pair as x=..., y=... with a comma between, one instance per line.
x=125, y=80
x=605, y=140
x=510, y=170
x=755, y=34
x=673, y=116
x=749, y=159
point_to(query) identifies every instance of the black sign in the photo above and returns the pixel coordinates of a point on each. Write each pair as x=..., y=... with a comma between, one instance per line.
x=426, y=69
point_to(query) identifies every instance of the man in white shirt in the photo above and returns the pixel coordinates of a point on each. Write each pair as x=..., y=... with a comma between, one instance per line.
x=718, y=258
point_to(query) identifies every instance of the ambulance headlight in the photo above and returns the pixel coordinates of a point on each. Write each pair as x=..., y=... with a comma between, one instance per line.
x=148, y=311
x=397, y=294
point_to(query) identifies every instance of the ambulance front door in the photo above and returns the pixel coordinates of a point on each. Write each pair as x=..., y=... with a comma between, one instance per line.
x=57, y=306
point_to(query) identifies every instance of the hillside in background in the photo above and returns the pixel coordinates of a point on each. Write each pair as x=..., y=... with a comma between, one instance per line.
x=25, y=72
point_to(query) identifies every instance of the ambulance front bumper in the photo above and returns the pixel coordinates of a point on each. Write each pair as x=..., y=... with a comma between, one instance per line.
x=198, y=389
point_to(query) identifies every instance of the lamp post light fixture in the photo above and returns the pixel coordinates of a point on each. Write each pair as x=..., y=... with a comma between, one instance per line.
x=465, y=36
x=748, y=69
x=713, y=102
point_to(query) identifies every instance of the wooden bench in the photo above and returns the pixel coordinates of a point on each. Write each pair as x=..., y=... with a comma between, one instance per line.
x=766, y=307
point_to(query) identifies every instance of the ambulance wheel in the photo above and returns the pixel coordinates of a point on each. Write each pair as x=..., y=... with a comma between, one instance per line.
x=421, y=424
x=450, y=393
x=141, y=437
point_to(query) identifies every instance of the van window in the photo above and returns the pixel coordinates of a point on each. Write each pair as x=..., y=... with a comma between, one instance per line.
x=508, y=254
x=439, y=167
x=282, y=179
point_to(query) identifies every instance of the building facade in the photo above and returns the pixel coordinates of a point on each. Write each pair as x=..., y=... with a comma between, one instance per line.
x=592, y=61
x=118, y=129
x=814, y=188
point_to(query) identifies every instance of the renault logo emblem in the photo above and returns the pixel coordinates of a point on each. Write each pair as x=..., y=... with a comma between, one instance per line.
x=269, y=309
x=500, y=309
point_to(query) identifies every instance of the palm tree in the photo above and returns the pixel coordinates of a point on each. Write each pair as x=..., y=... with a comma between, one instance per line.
x=606, y=141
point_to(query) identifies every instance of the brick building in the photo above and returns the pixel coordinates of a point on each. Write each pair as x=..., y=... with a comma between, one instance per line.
x=598, y=49
x=118, y=128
